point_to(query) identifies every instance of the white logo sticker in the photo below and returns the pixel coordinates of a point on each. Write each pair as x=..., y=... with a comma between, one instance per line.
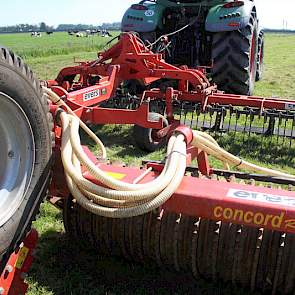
x=149, y=13
x=261, y=197
x=91, y=95
x=290, y=106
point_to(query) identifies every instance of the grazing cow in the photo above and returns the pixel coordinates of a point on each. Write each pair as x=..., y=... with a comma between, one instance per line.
x=36, y=34
x=79, y=34
x=71, y=33
x=105, y=33
x=49, y=32
x=93, y=32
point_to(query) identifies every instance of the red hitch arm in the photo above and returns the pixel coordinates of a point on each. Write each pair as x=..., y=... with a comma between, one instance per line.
x=17, y=267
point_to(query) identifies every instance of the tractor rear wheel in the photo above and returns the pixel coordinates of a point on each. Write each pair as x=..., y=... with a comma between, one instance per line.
x=235, y=59
x=25, y=150
x=260, y=56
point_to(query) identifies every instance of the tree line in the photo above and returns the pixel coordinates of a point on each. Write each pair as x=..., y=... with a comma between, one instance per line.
x=43, y=27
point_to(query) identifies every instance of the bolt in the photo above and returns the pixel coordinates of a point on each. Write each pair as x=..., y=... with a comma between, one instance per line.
x=9, y=268
x=10, y=154
x=1, y=291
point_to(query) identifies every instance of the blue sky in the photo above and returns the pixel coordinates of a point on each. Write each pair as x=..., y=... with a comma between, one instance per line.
x=53, y=12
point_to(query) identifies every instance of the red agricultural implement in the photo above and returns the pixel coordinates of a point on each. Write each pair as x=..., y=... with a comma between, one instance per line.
x=193, y=100
x=218, y=224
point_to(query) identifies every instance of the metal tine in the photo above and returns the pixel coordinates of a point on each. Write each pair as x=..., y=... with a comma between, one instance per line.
x=211, y=114
x=230, y=117
x=271, y=127
x=193, y=114
x=217, y=121
x=284, y=137
x=223, y=116
x=204, y=118
x=237, y=118
x=293, y=123
x=279, y=124
x=245, y=124
x=193, y=111
x=198, y=115
x=251, y=120
x=264, y=121
x=185, y=114
x=181, y=111
x=263, y=130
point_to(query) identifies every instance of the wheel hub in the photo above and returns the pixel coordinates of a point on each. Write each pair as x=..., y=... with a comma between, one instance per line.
x=17, y=156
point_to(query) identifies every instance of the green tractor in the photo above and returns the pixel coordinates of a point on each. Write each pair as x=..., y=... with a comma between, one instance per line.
x=221, y=35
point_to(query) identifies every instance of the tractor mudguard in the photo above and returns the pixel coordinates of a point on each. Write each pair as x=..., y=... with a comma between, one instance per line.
x=222, y=19
x=143, y=17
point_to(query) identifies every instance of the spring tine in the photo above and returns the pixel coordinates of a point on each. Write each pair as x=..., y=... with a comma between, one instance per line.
x=279, y=125
x=271, y=127
x=224, y=115
x=192, y=118
x=204, y=119
x=245, y=124
x=211, y=114
x=236, y=123
x=185, y=115
x=293, y=123
x=216, y=122
x=264, y=122
x=251, y=120
x=180, y=113
x=198, y=115
x=230, y=117
x=285, y=128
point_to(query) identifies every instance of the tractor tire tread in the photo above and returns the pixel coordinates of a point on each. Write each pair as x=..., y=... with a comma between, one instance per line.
x=231, y=56
x=18, y=81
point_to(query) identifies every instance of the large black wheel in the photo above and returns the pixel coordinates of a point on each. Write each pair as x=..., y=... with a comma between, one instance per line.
x=25, y=150
x=260, y=56
x=146, y=139
x=234, y=56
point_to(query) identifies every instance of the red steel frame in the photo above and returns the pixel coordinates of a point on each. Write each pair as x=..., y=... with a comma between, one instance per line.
x=17, y=267
x=129, y=59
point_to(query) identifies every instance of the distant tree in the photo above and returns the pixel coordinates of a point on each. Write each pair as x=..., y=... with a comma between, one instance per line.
x=111, y=26
x=43, y=27
x=62, y=27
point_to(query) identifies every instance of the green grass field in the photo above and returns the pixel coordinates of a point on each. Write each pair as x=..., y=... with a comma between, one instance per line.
x=48, y=45
x=61, y=266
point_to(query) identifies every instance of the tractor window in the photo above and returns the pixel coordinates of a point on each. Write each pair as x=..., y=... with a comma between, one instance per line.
x=145, y=1
x=185, y=1
x=190, y=1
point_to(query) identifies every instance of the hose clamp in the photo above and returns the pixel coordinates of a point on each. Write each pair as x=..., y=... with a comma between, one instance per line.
x=186, y=132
